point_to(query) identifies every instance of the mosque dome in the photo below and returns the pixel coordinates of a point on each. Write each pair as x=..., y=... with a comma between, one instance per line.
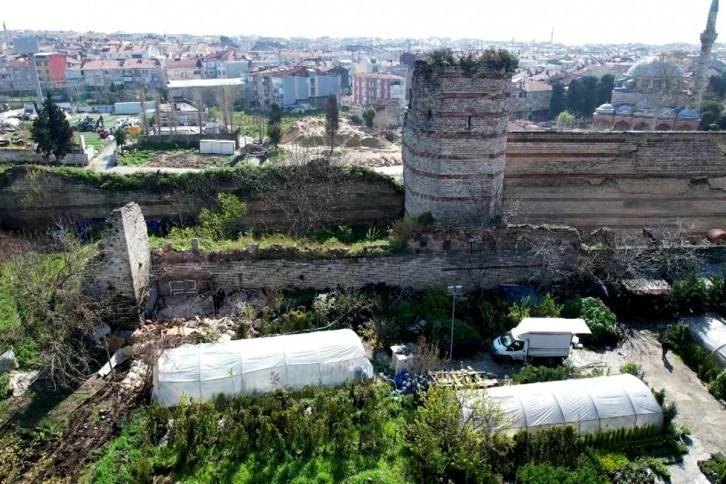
x=644, y=104
x=605, y=109
x=654, y=68
x=688, y=113
x=624, y=109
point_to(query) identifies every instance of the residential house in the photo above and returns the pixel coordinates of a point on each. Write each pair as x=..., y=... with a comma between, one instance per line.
x=370, y=89
x=288, y=87
x=181, y=69
x=230, y=64
x=125, y=51
x=99, y=75
x=51, y=68
x=16, y=76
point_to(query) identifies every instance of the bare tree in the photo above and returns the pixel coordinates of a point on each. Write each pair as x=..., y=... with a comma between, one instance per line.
x=332, y=120
x=662, y=85
x=226, y=98
x=57, y=316
x=425, y=358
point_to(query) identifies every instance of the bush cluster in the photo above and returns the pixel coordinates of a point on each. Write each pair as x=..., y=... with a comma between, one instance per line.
x=714, y=468
x=600, y=319
x=695, y=295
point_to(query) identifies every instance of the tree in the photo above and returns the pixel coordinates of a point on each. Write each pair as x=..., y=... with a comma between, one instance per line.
x=712, y=116
x=557, y=102
x=605, y=87
x=575, y=98
x=368, y=116
x=589, y=101
x=663, y=86
x=227, y=221
x=456, y=437
x=120, y=135
x=274, y=132
x=55, y=312
x=565, y=120
x=275, y=114
x=332, y=120
x=51, y=131
x=717, y=85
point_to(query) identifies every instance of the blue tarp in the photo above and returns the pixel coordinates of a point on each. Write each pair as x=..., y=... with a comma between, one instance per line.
x=516, y=293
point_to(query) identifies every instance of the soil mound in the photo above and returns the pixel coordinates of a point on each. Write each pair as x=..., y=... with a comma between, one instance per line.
x=310, y=132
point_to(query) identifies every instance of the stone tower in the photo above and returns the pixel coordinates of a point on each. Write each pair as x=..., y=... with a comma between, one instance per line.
x=708, y=38
x=454, y=142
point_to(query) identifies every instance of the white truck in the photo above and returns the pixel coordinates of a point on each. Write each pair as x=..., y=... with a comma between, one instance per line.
x=550, y=339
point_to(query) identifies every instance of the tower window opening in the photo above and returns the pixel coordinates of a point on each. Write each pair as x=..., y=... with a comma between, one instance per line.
x=430, y=114
x=468, y=122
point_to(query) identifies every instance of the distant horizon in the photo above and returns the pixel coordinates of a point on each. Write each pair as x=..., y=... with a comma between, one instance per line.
x=575, y=22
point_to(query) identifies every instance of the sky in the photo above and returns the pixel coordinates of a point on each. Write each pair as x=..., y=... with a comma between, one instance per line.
x=574, y=21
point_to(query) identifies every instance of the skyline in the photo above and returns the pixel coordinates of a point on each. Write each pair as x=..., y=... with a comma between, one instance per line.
x=654, y=22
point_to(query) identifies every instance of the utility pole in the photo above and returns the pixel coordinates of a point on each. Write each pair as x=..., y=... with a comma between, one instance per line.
x=453, y=291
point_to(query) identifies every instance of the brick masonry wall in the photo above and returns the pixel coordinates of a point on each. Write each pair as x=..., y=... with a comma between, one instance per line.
x=28, y=201
x=619, y=180
x=455, y=140
x=29, y=156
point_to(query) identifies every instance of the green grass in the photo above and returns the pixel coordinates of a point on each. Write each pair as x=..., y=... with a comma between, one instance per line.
x=181, y=240
x=136, y=158
x=91, y=137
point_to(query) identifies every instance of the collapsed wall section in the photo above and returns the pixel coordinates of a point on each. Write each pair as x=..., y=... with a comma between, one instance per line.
x=454, y=144
x=123, y=267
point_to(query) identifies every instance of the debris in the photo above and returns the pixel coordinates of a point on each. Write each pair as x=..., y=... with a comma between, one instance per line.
x=114, y=342
x=119, y=357
x=20, y=381
x=8, y=362
x=136, y=376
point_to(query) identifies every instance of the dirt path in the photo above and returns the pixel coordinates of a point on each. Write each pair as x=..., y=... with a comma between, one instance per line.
x=697, y=409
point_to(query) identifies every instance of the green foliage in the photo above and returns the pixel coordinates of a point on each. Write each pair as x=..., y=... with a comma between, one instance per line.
x=613, y=461
x=227, y=221
x=442, y=447
x=51, y=131
x=357, y=120
x=599, y=318
x=557, y=101
x=490, y=60
x=714, y=468
x=689, y=296
x=565, y=120
x=712, y=118
x=536, y=374
x=312, y=435
x=556, y=446
x=696, y=358
x=275, y=115
x=547, y=474
x=718, y=386
x=4, y=386
x=274, y=132
x=632, y=368
x=120, y=135
x=369, y=115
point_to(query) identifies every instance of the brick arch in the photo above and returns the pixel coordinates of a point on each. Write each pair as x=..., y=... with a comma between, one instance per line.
x=622, y=126
x=602, y=123
x=663, y=127
x=641, y=127
x=685, y=127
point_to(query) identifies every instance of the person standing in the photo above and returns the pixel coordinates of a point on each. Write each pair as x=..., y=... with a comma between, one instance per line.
x=665, y=345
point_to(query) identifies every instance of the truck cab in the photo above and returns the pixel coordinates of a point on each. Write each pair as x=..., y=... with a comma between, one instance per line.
x=507, y=348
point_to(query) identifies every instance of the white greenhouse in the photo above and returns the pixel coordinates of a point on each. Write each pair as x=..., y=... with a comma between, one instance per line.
x=254, y=366
x=710, y=332
x=590, y=405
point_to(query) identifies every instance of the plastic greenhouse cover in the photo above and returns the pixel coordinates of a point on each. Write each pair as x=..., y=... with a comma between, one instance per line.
x=589, y=404
x=201, y=372
x=551, y=325
x=710, y=331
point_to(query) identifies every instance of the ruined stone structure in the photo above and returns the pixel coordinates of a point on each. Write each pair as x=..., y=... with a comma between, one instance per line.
x=454, y=143
x=123, y=267
x=708, y=38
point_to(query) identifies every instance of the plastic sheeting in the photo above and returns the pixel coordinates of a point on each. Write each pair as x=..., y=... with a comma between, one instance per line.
x=710, y=331
x=253, y=366
x=591, y=405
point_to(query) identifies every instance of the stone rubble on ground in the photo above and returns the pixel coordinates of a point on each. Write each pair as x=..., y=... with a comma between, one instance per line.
x=8, y=362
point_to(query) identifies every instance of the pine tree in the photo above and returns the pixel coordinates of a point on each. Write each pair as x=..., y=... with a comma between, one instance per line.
x=557, y=101
x=51, y=131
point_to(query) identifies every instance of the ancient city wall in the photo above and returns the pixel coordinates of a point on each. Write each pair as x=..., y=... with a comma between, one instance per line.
x=619, y=180
x=455, y=140
x=35, y=198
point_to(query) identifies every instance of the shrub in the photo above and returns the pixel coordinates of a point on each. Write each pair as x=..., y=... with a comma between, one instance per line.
x=717, y=295
x=714, y=468
x=4, y=387
x=355, y=119
x=679, y=335
x=547, y=474
x=536, y=374
x=632, y=368
x=718, y=386
x=226, y=223
x=688, y=296
x=547, y=308
x=466, y=338
x=598, y=317
x=368, y=115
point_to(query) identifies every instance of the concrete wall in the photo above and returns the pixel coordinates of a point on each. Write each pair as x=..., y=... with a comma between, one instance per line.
x=454, y=144
x=618, y=180
x=122, y=268
x=30, y=156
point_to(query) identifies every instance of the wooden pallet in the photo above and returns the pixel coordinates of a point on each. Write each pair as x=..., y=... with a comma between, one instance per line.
x=463, y=379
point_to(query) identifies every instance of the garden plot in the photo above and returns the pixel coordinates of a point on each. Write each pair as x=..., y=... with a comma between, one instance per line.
x=171, y=159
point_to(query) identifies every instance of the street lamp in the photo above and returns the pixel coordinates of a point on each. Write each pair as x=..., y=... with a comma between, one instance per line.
x=453, y=291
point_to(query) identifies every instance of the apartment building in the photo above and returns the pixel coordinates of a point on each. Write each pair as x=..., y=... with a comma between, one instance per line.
x=373, y=89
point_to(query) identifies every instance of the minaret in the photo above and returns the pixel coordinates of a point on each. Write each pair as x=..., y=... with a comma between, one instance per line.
x=708, y=38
